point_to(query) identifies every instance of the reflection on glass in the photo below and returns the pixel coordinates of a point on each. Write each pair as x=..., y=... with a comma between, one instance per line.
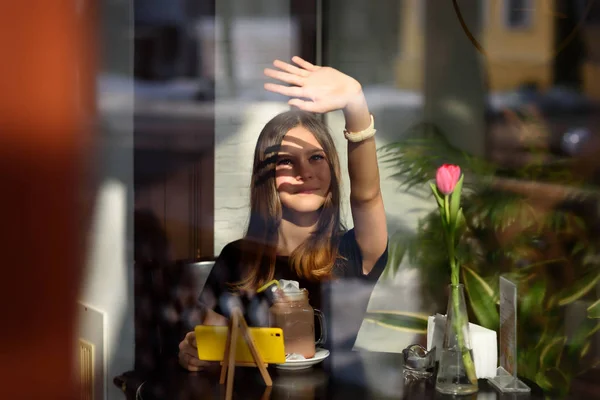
x=510, y=93
x=531, y=205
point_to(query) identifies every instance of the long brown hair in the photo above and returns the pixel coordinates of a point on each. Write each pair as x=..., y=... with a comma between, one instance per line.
x=313, y=259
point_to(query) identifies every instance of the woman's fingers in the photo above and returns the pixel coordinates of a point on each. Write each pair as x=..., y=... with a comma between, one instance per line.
x=184, y=359
x=191, y=363
x=284, y=77
x=291, y=91
x=192, y=368
x=290, y=68
x=190, y=337
x=189, y=360
x=304, y=64
x=188, y=353
x=192, y=359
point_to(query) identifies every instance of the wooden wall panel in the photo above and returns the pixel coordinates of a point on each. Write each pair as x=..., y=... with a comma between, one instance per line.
x=180, y=193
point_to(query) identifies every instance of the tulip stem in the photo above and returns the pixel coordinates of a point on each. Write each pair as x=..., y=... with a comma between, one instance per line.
x=458, y=328
x=450, y=239
x=458, y=320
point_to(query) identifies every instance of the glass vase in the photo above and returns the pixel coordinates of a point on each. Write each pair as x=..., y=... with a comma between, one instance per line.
x=456, y=370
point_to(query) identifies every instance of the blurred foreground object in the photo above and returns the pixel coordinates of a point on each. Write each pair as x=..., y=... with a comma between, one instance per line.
x=47, y=80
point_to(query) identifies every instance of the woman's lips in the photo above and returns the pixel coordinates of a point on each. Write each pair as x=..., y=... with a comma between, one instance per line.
x=307, y=191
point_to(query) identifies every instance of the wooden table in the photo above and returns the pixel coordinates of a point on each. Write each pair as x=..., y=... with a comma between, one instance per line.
x=350, y=375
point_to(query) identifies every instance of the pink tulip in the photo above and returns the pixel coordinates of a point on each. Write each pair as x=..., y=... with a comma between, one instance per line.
x=447, y=177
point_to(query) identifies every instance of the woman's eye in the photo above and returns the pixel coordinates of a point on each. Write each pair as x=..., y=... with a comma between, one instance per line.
x=317, y=157
x=284, y=161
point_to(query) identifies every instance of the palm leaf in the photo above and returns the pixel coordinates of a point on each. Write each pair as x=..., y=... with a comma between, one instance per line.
x=423, y=148
x=398, y=246
x=404, y=321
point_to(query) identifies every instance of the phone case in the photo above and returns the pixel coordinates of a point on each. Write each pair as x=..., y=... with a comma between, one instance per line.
x=211, y=340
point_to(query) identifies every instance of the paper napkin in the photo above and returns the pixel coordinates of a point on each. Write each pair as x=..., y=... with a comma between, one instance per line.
x=483, y=341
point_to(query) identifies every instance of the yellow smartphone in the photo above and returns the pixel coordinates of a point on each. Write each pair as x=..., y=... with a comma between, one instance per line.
x=210, y=341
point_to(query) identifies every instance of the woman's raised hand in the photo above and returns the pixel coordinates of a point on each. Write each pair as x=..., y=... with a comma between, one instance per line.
x=314, y=88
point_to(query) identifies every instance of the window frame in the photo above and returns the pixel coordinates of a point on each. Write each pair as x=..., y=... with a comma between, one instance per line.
x=528, y=15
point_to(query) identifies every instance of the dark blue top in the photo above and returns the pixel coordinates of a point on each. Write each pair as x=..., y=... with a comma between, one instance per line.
x=343, y=300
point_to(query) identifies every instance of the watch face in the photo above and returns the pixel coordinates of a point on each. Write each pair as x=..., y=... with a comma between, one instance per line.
x=521, y=13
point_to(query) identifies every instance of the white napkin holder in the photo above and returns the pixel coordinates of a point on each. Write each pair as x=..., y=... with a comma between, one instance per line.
x=483, y=341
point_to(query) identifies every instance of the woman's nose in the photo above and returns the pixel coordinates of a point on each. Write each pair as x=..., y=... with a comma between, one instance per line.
x=305, y=171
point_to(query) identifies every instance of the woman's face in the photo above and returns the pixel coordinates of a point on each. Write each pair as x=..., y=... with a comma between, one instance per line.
x=302, y=173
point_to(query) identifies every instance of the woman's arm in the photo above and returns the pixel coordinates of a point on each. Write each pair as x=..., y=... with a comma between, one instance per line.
x=328, y=90
x=368, y=213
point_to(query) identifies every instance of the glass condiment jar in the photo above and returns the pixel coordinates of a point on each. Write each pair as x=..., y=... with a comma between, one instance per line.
x=292, y=313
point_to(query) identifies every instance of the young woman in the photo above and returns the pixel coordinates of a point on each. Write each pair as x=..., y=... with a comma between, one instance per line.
x=295, y=231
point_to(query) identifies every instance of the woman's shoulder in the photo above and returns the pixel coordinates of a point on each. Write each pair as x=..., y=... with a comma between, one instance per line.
x=227, y=265
x=234, y=246
x=347, y=233
x=232, y=251
x=346, y=237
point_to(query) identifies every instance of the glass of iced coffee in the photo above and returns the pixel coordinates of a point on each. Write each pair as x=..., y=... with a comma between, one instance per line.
x=293, y=314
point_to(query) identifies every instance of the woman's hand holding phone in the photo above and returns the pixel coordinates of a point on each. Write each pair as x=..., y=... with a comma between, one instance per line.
x=188, y=349
x=188, y=354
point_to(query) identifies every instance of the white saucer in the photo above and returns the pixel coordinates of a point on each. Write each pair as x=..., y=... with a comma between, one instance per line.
x=294, y=365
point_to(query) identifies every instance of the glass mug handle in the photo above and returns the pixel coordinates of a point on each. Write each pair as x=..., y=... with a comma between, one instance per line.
x=323, y=337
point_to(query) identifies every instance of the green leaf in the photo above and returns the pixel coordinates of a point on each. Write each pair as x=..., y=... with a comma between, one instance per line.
x=579, y=289
x=593, y=311
x=577, y=355
x=551, y=353
x=577, y=248
x=576, y=344
x=544, y=337
x=481, y=298
x=455, y=200
x=527, y=362
x=404, y=321
x=552, y=380
x=436, y=193
x=585, y=349
x=535, y=265
x=532, y=299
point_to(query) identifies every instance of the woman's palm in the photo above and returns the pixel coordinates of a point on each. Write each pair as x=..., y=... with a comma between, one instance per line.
x=315, y=88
